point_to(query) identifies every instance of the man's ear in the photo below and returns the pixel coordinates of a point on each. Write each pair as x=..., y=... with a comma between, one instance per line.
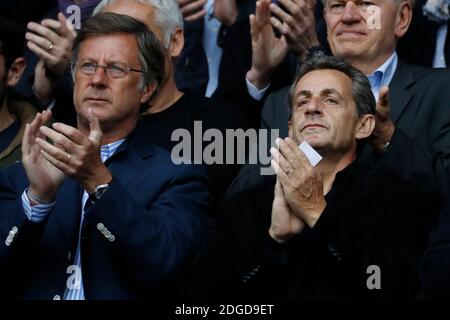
x=365, y=126
x=290, y=128
x=148, y=92
x=176, y=44
x=15, y=71
x=403, y=19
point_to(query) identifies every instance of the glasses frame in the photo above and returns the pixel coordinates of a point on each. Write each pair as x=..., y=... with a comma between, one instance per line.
x=107, y=68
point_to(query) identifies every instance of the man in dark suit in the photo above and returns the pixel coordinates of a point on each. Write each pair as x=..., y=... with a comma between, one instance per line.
x=329, y=231
x=100, y=213
x=411, y=138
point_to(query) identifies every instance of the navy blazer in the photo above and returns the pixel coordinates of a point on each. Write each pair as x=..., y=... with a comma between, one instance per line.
x=154, y=209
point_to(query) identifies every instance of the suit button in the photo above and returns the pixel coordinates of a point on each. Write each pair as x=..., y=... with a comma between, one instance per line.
x=57, y=297
x=100, y=227
x=14, y=230
x=111, y=238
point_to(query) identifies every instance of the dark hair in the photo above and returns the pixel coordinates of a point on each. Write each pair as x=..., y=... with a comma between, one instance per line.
x=362, y=93
x=12, y=35
x=151, y=54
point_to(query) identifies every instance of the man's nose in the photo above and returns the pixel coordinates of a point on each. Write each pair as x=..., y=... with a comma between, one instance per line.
x=99, y=76
x=314, y=107
x=351, y=12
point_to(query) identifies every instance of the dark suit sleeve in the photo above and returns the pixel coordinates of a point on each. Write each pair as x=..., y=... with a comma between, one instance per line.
x=155, y=241
x=406, y=160
x=435, y=266
x=19, y=254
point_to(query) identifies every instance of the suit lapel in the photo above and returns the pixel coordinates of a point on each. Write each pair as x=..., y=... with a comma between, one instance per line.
x=399, y=96
x=128, y=161
x=125, y=164
x=351, y=200
x=68, y=210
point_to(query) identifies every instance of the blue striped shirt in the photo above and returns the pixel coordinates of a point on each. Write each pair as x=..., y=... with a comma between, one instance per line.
x=212, y=50
x=38, y=213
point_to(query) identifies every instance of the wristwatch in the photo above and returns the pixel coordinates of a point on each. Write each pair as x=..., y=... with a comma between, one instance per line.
x=98, y=192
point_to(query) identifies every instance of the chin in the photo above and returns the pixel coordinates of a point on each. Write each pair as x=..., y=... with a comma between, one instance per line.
x=315, y=142
x=348, y=49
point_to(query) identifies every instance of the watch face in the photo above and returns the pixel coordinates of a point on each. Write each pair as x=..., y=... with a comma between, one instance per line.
x=100, y=190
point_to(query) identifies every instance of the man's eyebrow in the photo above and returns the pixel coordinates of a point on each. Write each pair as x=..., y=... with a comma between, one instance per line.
x=303, y=93
x=330, y=91
x=324, y=92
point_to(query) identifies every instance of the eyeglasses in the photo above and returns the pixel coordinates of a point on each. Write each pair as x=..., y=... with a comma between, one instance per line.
x=113, y=71
x=337, y=7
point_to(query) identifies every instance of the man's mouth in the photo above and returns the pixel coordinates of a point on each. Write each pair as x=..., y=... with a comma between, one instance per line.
x=94, y=99
x=313, y=126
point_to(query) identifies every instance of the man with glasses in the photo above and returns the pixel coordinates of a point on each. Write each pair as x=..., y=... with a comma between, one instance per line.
x=173, y=109
x=95, y=212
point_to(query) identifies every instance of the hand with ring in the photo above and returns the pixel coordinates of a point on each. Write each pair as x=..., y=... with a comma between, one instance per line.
x=76, y=154
x=44, y=178
x=301, y=183
x=52, y=41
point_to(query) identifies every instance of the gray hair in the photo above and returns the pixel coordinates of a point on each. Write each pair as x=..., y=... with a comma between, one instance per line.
x=361, y=90
x=151, y=54
x=168, y=16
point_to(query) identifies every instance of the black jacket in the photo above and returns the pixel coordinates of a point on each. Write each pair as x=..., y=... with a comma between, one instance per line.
x=367, y=222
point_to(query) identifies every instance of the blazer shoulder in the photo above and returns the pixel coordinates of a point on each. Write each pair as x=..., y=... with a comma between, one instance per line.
x=403, y=193
x=431, y=75
x=14, y=176
x=276, y=108
x=173, y=166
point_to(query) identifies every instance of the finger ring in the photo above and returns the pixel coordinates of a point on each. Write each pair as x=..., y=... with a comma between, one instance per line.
x=51, y=46
x=68, y=157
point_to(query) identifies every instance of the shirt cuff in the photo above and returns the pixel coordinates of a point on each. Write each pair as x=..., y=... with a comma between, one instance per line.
x=36, y=213
x=254, y=92
x=51, y=104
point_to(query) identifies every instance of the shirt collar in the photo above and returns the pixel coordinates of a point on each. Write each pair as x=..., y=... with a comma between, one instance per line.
x=383, y=75
x=107, y=150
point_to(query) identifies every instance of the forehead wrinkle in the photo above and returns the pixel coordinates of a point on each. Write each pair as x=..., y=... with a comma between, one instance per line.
x=328, y=91
x=91, y=53
x=107, y=57
x=322, y=93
